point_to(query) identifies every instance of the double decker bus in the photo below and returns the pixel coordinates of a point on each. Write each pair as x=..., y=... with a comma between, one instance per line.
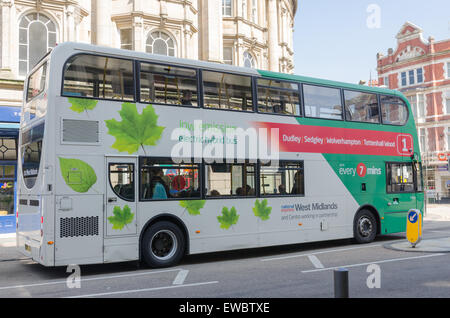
x=122, y=158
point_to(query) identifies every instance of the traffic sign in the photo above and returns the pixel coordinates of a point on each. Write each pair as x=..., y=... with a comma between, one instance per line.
x=414, y=227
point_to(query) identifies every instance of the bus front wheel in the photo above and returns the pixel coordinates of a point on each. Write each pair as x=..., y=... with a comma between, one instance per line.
x=364, y=227
x=163, y=245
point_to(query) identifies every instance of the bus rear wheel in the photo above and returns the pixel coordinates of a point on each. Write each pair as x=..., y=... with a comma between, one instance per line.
x=163, y=245
x=364, y=227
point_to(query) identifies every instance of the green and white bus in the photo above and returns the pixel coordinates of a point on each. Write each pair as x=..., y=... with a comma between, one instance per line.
x=121, y=159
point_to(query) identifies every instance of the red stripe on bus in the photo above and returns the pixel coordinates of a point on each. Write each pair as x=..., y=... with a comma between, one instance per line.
x=319, y=139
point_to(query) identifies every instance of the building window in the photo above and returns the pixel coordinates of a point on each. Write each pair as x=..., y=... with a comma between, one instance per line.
x=448, y=138
x=228, y=55
x=413, y=102
x=403, y=75
x=422, y=140
x=249, y=60
x=448, y=69
x=419, y=73
x=386, y=81
x=254, y=11
x=37, y=35
x=226, y=8
x=244, y=9
x=411, y=77
x=421, y=105
x=126, y=39
x=160, y=43
x=8, y=148
x=447, y=105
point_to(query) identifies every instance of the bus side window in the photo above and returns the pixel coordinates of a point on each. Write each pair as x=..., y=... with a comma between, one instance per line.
x=99, y=77
x=161, y=179
x=121, y=178
x=165, y=84
x=230, y=180
x=400, y=177
x=227, y=91
x=361, y=107
x=393, y=111
x=322, y=102
x=278, y=97
x=286, y=178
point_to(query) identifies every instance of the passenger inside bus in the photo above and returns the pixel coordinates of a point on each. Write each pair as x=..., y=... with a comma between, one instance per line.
x=158, y=186
x=298, y=187
x=186, y=100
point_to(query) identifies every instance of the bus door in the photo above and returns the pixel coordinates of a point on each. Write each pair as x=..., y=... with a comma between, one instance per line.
x=121, y=196
x=400, y=194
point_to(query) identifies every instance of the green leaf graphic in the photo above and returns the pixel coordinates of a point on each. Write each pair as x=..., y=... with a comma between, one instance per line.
x=134, y=130
x=261, y=210
x=80, y=105
x=228, y=218
x=78, y=174
x=193, y=206
x=121, y=217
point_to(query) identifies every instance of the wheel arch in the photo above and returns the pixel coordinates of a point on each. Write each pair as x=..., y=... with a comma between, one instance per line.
x=169, y=218
x=372, y=209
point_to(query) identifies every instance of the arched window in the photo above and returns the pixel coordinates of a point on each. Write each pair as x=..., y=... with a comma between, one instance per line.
x=249, y=60
x=37, y=35
x=160, y=43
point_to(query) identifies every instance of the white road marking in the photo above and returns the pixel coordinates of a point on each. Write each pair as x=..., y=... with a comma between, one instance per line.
x=374, y=262
x=142, y=290
x=89, y=279
x=315, y=261
x=320, y=252
x=181, y=276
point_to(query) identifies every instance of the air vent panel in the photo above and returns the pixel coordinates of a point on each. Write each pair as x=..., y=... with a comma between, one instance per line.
x=79, y=226
x=80, y=131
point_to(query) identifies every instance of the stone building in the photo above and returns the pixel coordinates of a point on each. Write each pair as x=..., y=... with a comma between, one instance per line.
x=420, y=69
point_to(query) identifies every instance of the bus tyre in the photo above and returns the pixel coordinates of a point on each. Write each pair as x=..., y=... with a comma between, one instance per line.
x=163, y=245
x=364, y=227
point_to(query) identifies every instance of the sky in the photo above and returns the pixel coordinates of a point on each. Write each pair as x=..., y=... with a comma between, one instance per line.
x=339, y=39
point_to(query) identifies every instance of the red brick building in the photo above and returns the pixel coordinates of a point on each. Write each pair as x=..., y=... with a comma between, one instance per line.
x=420, y=69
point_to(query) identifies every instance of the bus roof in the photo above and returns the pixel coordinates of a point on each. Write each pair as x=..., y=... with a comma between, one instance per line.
x=72, y=48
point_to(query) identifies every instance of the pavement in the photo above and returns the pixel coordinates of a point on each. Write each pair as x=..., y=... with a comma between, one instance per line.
x=435, y=214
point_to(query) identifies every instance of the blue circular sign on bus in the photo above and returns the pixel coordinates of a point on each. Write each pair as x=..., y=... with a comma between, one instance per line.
x=413, y=216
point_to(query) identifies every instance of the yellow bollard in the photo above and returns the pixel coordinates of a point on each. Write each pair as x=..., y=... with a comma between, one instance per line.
x=414, y=227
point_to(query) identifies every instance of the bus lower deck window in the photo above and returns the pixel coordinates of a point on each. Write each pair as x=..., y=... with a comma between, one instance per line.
x=286, y=178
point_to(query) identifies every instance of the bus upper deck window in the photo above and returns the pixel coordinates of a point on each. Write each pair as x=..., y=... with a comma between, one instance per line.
x=99, y=77
x=227, y=91
x=166, y=84
x=393, y=111
x=361, y=107
x=278, y=97
x=36, y=82
x=322, y=102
